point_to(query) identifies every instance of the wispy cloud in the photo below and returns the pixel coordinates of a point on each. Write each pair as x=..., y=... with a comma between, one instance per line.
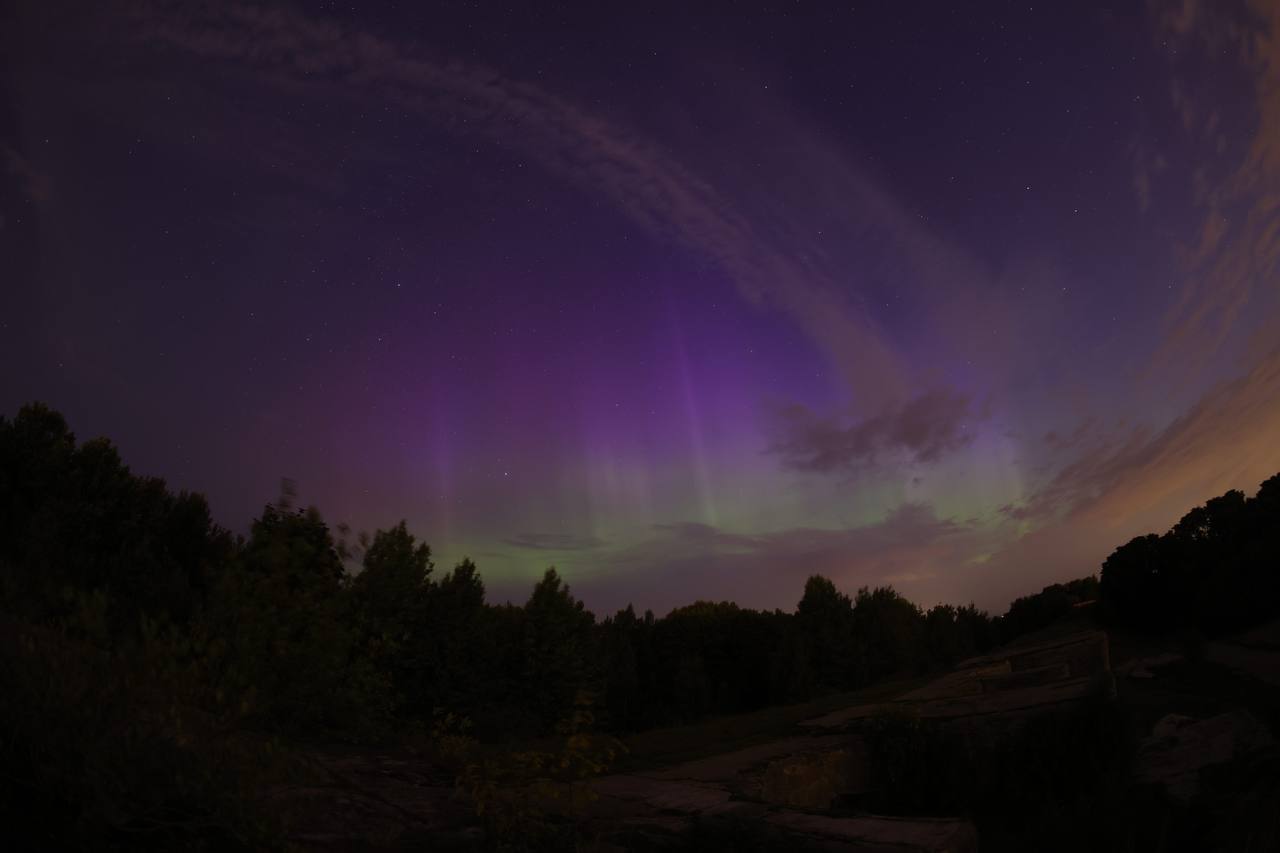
x=554, y=541
x=679, y=562
x=1107, y=481
x=296, y=52
x=1234, y=258
x=1113, y=479
x=1141, y=480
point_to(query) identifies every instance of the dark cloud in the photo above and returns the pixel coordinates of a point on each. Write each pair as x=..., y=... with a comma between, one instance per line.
x=554, y=541
x=923, y=430
x=687, y=561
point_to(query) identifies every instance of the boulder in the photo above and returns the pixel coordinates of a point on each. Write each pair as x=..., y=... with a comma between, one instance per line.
x=1180, y=746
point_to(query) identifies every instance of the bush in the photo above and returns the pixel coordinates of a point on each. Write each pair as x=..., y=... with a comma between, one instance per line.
x=106, y=746
x=535, y=799
x=1214, y=571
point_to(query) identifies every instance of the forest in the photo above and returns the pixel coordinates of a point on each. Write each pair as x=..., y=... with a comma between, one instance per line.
x=156, y=667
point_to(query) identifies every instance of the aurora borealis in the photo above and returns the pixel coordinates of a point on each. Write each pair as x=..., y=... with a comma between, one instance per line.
x=688, y=300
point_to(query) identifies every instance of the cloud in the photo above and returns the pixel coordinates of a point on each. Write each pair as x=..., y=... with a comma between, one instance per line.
x=1111, y=485
x=923, y=430
x=1120, y=477
x=1233, y=259
x=1226, y=440
x=554, y=541
x=1115, y=481
x=1083, y=431
x=1225, y=437
x=1094, y=466
x=911, y=546
x=1140, y=480
x=301, y=54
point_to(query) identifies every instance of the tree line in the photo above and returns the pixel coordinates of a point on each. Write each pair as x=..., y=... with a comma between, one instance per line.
x=129, y=619
x=1215, y=571
x=276, y=619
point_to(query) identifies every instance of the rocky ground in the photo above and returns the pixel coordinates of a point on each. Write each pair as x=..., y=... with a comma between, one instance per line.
x=1195, y=715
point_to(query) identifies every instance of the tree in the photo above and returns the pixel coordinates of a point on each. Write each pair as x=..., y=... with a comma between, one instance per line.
x=1133, y=582
x=558, y=650
x=622, y=698
x=1034, y=612
x=1213, y=571
x=289, y=628
x=76, y=518
x=391, y=595
x=296, y=550
x=462, y=647
x=824, y=618
x=889, y=632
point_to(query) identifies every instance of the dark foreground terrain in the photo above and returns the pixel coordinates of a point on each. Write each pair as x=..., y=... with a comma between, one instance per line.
x=166, y=685
x=1065, y=740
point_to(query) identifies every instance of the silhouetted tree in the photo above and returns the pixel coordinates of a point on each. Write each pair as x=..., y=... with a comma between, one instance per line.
x=1034, y=612
x=122, y=585
x=286, y=614
x=391, y=595
x=1213, y=571
x=76, y=518
x=558, y=660
x=889, y=634
x=824, y=619
x=622, y=700
x=462, y=648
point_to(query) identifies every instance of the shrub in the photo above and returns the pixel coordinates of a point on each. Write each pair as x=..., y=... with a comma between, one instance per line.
x=106, y=744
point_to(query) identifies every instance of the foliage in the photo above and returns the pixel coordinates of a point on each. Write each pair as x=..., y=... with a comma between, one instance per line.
x=390, y=603
x=464, y=645
x=533, y=799
x=117, y=745
x=890, y=634
x=717, y=658
x=152, y=663
x=74, y=517
x=825, y=623
x=281, y=620
x=557, y=644
x=1214, y=571
x=1034, y=612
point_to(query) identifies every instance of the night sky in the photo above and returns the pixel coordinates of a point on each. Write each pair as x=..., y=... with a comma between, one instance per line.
x=688, y=300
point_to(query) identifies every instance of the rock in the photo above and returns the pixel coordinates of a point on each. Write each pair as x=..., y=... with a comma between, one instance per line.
x=908, y=835
x=1143, y=667
x=1017, y=681
x=764, y=787
x=665, y=795
x=778, y=788
x=1180, y=746
x=813, y=780
x=1253, y=661
x=729, y=766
